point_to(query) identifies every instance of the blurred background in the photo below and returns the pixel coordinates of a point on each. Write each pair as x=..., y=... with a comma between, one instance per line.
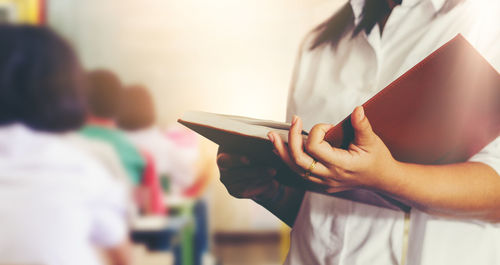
x=224, y=56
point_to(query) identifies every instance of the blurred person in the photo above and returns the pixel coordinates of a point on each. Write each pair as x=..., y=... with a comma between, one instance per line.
x=57, y=204
x=104, y=153
x=104, y=92
x=342, y=63
x=106, y=156
x=104, y=95
x=175, y=153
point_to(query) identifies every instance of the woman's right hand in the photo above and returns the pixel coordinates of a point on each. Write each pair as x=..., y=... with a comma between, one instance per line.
x=245, y=178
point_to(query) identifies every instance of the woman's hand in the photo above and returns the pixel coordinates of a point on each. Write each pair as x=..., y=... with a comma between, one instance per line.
x=245, y=179
x=469, y=189
x=365, y=164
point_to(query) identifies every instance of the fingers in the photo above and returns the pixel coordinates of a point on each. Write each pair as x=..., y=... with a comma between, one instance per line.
x=226, y=161
x=330, y=183
x=322, y=150
x=247, y=175
x=295, y=144
x=324, y=153
x=248, y=182
x=294, y=156
x=363, y=133
x=316, y=144
x=331, y=169
x=282, y=151
x=244, y=178
x=328, y=186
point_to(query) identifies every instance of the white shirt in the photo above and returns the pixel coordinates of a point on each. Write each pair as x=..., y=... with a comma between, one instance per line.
x=103, y=152
x=56, y=203
x=329, y=83
x=106, y=156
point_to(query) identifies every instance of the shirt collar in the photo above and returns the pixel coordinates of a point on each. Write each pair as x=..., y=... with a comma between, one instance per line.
x=357, y=9
x=438, y=4
x=357, y=6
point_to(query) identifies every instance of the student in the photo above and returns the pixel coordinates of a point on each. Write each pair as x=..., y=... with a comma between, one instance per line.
x=173, y=161
x=345, y=61
x=176, y=156
x=104, y=92
x=57, y=204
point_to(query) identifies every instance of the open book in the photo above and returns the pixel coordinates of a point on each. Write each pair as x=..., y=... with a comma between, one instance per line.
x=249, y=127
x=249, y=136
x=443, y=110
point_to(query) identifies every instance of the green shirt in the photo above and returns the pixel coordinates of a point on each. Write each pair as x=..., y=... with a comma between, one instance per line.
x=129, y=155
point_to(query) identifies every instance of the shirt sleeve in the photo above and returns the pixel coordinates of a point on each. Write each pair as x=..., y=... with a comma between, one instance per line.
x=486, y=38
x=109, y=213
x=489, y=155
x=109, y=229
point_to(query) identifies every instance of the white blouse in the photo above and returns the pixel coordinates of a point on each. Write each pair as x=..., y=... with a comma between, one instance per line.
x=57, y=204
x=329, y=83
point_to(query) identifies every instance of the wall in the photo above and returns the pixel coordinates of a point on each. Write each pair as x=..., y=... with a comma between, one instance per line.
x=224, y=56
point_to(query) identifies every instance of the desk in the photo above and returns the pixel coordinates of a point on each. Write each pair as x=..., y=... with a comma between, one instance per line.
x=162, y=234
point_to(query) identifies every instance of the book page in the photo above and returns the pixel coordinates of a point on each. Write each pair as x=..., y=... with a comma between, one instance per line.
x=238, y=124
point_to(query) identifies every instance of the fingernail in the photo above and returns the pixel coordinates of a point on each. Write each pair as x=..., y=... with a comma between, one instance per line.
x=294, y=119
x=245, y=160
x=361, y=114
x=271, y=137
x=271, y=172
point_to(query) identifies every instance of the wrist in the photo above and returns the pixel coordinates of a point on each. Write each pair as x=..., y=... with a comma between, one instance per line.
x=389, y=176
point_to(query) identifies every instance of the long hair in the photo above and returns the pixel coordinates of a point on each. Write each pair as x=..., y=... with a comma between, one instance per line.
x=336, y=27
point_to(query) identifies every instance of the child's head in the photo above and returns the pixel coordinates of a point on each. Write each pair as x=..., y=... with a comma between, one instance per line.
x=41, y=80
x=137, y=109
x=104, y=92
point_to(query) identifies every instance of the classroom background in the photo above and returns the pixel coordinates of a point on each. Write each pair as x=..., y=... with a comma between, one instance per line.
x=223, y=56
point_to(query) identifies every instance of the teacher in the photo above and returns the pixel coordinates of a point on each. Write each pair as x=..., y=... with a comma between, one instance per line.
x=346, y=60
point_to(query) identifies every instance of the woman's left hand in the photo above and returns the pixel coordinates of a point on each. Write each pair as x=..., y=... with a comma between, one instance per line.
x=364, y=164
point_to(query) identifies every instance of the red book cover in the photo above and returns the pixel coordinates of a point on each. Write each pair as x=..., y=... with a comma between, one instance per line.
x=443, y=110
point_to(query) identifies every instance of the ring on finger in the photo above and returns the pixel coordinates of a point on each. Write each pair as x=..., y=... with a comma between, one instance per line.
x=310, y=169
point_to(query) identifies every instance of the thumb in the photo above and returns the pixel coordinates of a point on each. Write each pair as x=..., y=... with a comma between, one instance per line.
x=363, y=133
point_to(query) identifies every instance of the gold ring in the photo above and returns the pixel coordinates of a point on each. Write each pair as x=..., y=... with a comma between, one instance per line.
x=310, y=169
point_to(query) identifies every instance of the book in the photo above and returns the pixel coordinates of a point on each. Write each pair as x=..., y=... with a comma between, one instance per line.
x=443, y=110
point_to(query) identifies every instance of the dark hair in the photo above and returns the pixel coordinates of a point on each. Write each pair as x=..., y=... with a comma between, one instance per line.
x=41, y=80
x=137, y=109
x=332, y=30
x=103, y=93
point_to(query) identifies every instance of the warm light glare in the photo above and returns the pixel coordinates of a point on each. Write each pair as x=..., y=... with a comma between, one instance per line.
x=227, y=56
x=224, y=56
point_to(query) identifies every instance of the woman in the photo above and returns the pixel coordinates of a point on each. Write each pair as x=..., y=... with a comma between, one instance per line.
x=57, y=204
x=344, y=62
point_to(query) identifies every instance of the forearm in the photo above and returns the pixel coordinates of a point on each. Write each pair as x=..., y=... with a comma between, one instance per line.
x=285, y=208
x=470, y=190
